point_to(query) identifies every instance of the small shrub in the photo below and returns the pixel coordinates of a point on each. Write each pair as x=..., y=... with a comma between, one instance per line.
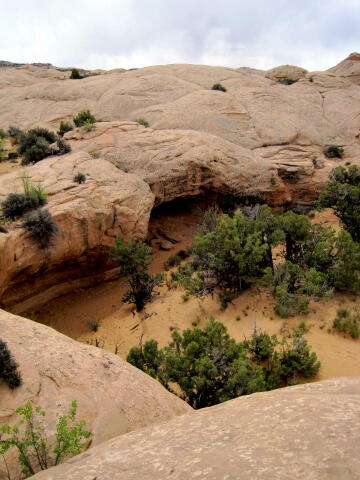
x=3, y=134
x=63, y=147
x=345, y=323
x=94, y=154
x=42, y=227
x=80, y=178
x=286, y=80
x=93, y=325
x=15, y=134
x=175, y=260
x=134, y=260
x=142, y=121
x=333, y=152
x=13, y=155
x=224, y=301
x=8, y=367
x=64, y=127
x=84, y=117
x=88, y=126
x=30, y=439
x=218, y=87
x=35, y=145
x=16, y=204
x=75, y=75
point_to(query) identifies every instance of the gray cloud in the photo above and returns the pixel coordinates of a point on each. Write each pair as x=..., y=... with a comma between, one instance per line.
x=128, y=33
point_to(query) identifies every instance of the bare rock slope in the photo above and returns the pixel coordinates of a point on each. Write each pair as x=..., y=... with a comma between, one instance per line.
x=112, y=396
x=308, y=432
x=260, y=140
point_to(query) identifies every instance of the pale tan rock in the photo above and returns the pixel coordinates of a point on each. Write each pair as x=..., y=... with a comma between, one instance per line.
x=113, y=397
x=89, y=216
x=290, y=72
x=307, y=432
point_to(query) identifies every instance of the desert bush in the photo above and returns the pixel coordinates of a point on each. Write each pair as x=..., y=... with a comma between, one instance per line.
x=63, y=147
x=3, y=134
x=15, y=134
x=13, y=155
x=219, y=87
x=42, y=227
x=286, y=80
x=64, y=127
x=75, y=74
x=35, y=145
x=177, y=258
x=134, y=260
x=345, y=323
x=93, y=325
x=88, y=126
x=84, y=117
x=16, y=204
x=206, y=367
x=333, y=151
x=8, y=367
x=142, y=121
x=29, y=437
x=80, y=178
x=342, y=193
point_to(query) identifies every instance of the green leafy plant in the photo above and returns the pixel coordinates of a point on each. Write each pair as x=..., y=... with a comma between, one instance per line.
x=206, y=367
x=8, y=367
x=75, y=75
x=142, y=121
x=344, y=322
x=80, y=178
x=93, y=325
x=63, y=147
x=3, y=134
x=333, y=151
x=42, y=227
x=177, y=258
x=134, y=260
x=84, y=117
x=218, y=87
x=29, y=437
x=88, y=126
x=64, y=127
x=13, y=155
x=285, y=80
x=16, y=204
x=342, y=193
x=34, y=145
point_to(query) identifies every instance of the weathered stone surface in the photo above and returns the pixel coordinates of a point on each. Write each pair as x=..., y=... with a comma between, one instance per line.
x=112, y=396
x=257, y=141
x=307, y=432
x=290, y=72
x=89, y=216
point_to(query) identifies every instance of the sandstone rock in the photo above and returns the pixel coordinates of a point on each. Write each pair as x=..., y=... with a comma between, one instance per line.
x=112, y=396
x=290, y=72
x=307, y=432
x=89, y=217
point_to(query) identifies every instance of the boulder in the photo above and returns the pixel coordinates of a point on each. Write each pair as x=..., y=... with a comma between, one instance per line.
x=113, y=397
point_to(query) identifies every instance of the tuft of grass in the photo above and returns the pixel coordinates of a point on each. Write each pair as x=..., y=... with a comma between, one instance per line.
x=93, y=325
x=42, y=227
x=94, y=154
x=79, y=178
x=142, y=121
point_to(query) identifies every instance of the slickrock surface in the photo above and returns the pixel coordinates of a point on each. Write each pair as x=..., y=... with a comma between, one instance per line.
x=112, y=396
x=308, y=432
x=89, y=216
x=259, y=141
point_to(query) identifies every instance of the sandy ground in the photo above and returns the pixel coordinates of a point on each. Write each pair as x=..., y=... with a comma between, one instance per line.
x=121, y=328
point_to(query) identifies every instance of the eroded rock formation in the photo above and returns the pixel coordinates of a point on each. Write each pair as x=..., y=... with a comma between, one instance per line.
x=259, y=141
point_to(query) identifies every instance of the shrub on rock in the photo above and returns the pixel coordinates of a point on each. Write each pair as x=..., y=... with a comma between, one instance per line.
x=8, y=367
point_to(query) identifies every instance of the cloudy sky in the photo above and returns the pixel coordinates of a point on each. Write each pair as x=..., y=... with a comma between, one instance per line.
x=314, y=34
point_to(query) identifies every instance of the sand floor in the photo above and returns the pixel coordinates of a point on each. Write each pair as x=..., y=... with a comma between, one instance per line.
x=121, y=328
